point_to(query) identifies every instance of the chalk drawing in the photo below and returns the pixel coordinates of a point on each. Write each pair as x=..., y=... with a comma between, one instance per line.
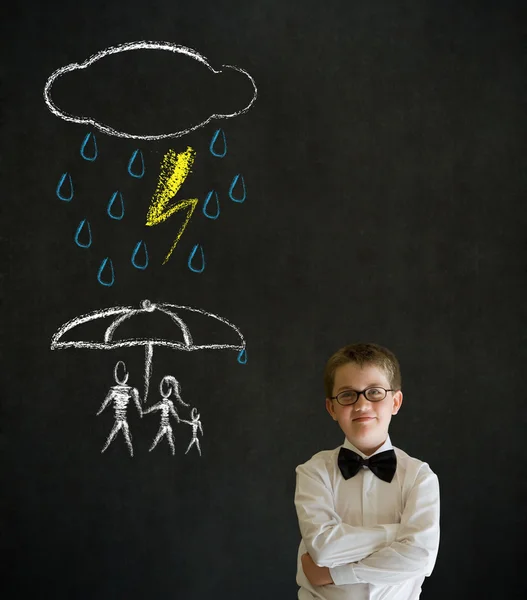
x=115, y=208
x=83, y=230
x=89, y=150
x=196, y=265
x=121, y=394
x=140, y=248
x=235, y=185
x=62, y=193
x=206, y=211
x=169, y=385
x=212, y=147
x=106, y=273
x=136, y=164
x=195, y=423
x=120, y=314
x=140, y=46
x=175, y=168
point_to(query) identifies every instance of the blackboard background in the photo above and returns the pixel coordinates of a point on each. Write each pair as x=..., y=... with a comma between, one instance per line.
x=385, y=167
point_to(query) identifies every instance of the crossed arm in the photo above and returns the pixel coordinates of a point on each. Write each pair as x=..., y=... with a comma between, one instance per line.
x=383, y=554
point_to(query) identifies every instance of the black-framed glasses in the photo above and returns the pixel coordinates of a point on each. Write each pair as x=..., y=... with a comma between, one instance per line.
x=373, y=394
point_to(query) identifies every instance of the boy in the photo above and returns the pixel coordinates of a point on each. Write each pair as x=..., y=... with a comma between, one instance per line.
x=370, y=530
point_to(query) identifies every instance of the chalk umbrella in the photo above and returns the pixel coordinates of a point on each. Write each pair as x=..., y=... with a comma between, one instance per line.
x=120, y=314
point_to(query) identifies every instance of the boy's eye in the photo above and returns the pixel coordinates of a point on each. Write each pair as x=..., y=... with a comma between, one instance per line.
x=374, y=392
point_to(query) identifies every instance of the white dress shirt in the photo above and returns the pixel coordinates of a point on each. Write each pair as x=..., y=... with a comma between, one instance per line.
x=378, y=539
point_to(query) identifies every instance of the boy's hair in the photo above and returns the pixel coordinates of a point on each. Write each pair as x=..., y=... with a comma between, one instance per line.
x=363, y=354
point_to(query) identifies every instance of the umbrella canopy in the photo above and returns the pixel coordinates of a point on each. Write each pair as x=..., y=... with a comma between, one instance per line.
x=122, y=314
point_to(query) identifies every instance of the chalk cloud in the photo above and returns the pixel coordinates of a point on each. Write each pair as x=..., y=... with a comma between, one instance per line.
x=140, y=45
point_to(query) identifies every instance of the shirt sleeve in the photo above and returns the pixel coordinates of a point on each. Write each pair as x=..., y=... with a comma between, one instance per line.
x=413, y=552
x=328, y=540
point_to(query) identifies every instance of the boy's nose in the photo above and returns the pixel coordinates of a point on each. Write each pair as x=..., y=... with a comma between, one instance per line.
x=362, y=403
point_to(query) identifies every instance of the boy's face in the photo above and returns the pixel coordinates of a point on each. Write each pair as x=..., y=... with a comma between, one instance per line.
x=370, y=433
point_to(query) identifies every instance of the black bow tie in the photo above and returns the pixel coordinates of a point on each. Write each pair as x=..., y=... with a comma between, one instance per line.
x=382, y=464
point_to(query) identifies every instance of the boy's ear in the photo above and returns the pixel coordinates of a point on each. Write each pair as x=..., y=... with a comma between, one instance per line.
x=331, y=409
x=397, y=401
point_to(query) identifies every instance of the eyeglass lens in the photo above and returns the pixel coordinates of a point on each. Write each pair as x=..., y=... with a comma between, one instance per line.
x=351, y=396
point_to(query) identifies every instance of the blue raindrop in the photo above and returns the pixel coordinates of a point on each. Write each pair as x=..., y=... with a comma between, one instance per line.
x=93, y=147
x=213, y=143
x=60, y=192
x=242, y=356
x=106, y=265
x=110, y=209
x=191, y=260
x=80, y=229
x=140, y=245
x=133, y=168
x=206, y=204
x=241, y=198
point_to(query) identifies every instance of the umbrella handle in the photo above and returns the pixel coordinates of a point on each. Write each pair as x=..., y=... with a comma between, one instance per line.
x=149, y=353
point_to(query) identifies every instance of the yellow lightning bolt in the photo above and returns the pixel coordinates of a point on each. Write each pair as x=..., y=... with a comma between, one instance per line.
x=175, y=168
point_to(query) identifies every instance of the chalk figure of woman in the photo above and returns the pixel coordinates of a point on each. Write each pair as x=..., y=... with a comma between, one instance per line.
x=121, y=394
x=195, y=424
x=167, y=386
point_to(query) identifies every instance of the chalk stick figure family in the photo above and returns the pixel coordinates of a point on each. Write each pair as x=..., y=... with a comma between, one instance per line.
x=121, y=394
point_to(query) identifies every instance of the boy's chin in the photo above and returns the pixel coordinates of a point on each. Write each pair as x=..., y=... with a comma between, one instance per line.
x=369, y=435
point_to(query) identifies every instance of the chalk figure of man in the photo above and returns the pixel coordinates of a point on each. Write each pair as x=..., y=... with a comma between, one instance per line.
x=195, y=424
x=121, y=395
x=167, y=386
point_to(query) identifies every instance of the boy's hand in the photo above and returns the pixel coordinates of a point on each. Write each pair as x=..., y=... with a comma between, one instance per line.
x=316, y=575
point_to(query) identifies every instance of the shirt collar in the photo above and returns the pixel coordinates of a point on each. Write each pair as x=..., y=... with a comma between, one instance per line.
x=386, y=446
